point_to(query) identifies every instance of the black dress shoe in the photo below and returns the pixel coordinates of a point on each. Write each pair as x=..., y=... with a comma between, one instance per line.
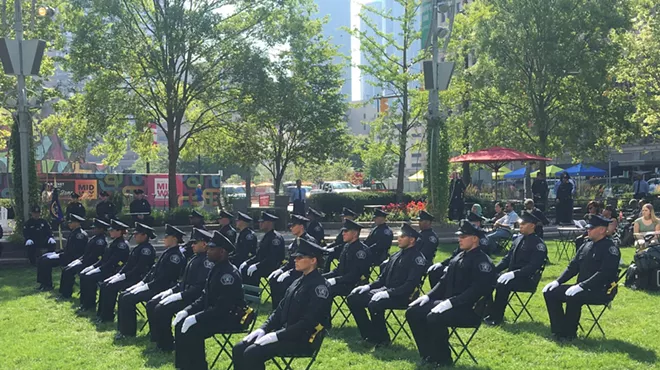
x=490, y=322
x=39, y=288
x=47, y=288
x=119, y=336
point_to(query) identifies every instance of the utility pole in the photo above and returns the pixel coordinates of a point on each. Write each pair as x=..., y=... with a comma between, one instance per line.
x=24, y=124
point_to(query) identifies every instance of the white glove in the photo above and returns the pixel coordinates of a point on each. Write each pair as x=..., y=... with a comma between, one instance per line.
x=420, y=301
x=251, y=269
x=254, y=335
x=74, y=263
x=51, y=240
x=266, y=339
x=283, y=276
x=242, y=266
x=434, y=266
x=442, y=306
x=385, y=262
x=575, y=289
x=190, y=321
x=330, y=250
x=133, y=287
x=110, y=278
x=506, y=277
x=182, y=250
x=118, y=278
x=53, y=256
x=163, y=294
x=140, y=289
x=361, y=289
x=332, y=281
x=274, y=274
x=551, y=285
x=179, y=316
x=29, y=242
x=380, y=295
x=86, y=269
x=172, y=298
x=93, y=271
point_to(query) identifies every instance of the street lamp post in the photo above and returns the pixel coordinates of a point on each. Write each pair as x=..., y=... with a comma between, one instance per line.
x=24, y=124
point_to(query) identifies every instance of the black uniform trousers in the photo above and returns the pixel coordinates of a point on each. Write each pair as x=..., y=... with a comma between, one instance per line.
x=108, y=298
x=497, y=307
x=189, y=349
x=341, y=289
x=88, y=285
x=277, y=289
x=565, y=211
x=373, y=327
x=68, y=279
x=431, y=330
x=160, y=322
x=249, y=356
x=565, y=324
x=126, y=310
x=36, y=248
x=45, y=270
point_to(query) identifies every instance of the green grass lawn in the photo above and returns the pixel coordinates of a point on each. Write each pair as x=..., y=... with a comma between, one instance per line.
x=37, y=332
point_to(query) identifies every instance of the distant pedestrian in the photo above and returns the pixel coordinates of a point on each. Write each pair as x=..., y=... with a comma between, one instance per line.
x=198, y=194
x=640, y=188
x=298, y=196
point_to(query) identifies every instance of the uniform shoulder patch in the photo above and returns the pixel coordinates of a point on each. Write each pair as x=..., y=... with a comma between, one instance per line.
x=227, y=279
x=485, y=267
x=230, y=232
x=483, y=241
x=175, y=259
x=541, y=247
x=433, y=239
x=614, y=250
x=322, y=291
x=420, y=261
x=276, y=241
x=249, y=236
x=80, y=236
x=387, y=232
x=361, y=254
x=100, y=241
x=122, y=246
x=318, y=228
x=208, y=264
x=146, y=251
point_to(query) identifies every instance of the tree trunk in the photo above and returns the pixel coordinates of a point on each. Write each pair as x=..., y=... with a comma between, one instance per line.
x=543, y=149
x=248, y=187
x=173, y=157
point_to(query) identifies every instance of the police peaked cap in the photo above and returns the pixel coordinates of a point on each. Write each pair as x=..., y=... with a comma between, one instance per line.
x=352, y=225
x=314, y=212
x=138, y=191
x=35, y=209
x=144, y=229
x=174, y=231
x=221, y=241
x=265, y=216
x=72, y=217
x=348, y=212
x=201, y=235
x=195, y=213
x=298, y=220
x=101, y=224
x=467, y=228
x=117, y=225
x=380, y=213
x=104, y=194
x=308, y=249
x=243, y=217
x=529, y=217
x=407, y=230
x=75, y=195
x=225, y=214
x=597, y=220
x=425, y=216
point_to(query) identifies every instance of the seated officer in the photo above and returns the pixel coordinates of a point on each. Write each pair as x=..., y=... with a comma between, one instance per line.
x=294, y=327
x=428, y=241
x=114, y=257
x=334, y=250
x=75, y=248
x=93, y=252
x=270, y=252
x=162, y=276
x=353, y=267
x=221, y=307
x=166, y=304
x=280, y=279
x=246, y=243
x=380, y=238
x=315, y=229
x=224, y=220
x=75, y=206
x=595, y=264
x=469, y=277
x=524, y=260
x=138, y=265
x=396, y=286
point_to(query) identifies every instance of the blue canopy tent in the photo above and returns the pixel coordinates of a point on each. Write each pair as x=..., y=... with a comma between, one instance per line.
x=581, y=170
x=517, y=174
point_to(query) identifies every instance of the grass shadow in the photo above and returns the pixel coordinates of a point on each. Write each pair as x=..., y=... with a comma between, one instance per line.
x=351, y=336
x=533, y=327
x=155, y=357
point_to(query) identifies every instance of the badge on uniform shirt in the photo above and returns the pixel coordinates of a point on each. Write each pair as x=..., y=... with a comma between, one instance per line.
x=208, y=264
x=485, y=267
x=433, y=239
x=387, y=232
x=100, y=242
x=175, y=258
x=276, y=241
x=614, y=250
x=322, y=291
x=420, y=261
x=541, y=247
x=483, y=241
x=361, y=254
x=249, y=236
x=146, y=251
x=122, y=246
x=80, y=236
x=227, y=279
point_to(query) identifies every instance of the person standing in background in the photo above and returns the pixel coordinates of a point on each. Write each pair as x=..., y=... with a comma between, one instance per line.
x=298, y=197
x=540, y=191
x=640, y=187
x=198, y=196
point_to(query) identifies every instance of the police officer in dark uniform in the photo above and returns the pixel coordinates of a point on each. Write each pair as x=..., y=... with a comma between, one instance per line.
x=524, y=260
x=163, y=306
x=141, y=205
x=75, y=247
x=428, y=241
x=139, y=263
x=595, y=264
x=270, y=252
x=113, y=259
x=353, y=268
x=37, y=234
x=246, y=242
x=93, y=252
x=197, y=222
x=470, y=276
x=162, y=276
x=221, y=307
x=75, y=207
x=224, y=219
x=396, y=286
x=280, y=279
x=529, y=207
x=105, y=209
x=297, y=326
x=334, y=250
x=380, y=238
x=315, y=229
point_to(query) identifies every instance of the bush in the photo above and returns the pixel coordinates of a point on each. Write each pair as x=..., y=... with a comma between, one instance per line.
x=332, y=203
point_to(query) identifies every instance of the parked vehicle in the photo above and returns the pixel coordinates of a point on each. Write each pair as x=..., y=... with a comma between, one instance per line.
x=336, y=187
x=233, y=191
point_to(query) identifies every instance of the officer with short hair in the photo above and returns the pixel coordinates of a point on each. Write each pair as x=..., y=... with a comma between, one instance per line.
x=197, y=221
x=270, y=253
x=353, y=268
x=296, y=327
x=221, y=307
x=93, y=252
x=75, y=207
x=105, y=209
x=524, y=260
x=428, y=241
x=396, y=286
x=224, y=219
x=246, y=242
x=380, y=238
x=334, y=250
x=451, y=302
x=315, y=229
x=163, y=306
x=596, y=266
x=75, y=247
x=37, y=234
x=141, y=208
x=114, y=257
x=162, y=276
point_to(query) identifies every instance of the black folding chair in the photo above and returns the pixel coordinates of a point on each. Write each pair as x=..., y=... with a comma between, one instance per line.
x=523, y=303
x=464, y=344
x=595, y=319
x=265, y=286
x=287, y=358
x=339, y=310
x=252, y=296
x=503, y=245
x=400, y=324
x=143, y=315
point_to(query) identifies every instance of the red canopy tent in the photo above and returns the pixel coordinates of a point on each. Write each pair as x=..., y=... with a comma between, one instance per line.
x=496, y=157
